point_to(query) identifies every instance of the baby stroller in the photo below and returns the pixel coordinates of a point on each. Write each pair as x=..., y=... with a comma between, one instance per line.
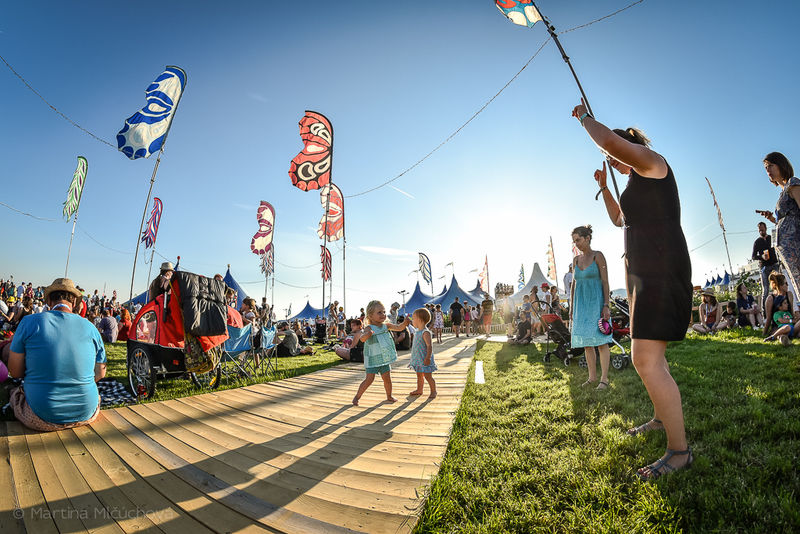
x=620, y=332
x=558, y=333
x=320, y=331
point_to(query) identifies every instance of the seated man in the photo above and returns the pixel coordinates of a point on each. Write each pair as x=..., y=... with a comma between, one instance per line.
x=60, y=356
x=108, y=327
x=523, y=331
x=289, y=345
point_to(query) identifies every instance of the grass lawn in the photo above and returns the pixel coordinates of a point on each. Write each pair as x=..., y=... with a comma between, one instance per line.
x=532, y=451
x=183, y=387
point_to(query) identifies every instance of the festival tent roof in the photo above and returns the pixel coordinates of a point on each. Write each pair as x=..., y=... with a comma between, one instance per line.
x=477, y=292
x=447, y=298
x=718, y=281
x=307, y=313
x=727, y=279
x=536, y=279
x=418, y=299
x=241, y=294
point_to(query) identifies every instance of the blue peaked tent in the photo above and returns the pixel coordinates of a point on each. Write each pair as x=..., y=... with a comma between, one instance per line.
x=477, y=292
x=726, y=281
x=447, y=298
x=241, y=294
x=307, y=313
x=418, y=299
x=718, y=281
x=708, y=283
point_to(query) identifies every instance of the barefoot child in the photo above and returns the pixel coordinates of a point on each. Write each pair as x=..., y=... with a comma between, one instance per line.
x=422, y=352
x=379, y=351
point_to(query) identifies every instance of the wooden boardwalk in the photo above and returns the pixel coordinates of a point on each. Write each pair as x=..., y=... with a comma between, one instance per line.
x=286, y=456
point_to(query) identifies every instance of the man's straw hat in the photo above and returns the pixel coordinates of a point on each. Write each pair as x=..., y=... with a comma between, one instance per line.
x=62, y=284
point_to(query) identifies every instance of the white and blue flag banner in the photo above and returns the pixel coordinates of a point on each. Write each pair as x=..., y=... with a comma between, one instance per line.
x=145, y=130
x=521, y=281
x=425, y=267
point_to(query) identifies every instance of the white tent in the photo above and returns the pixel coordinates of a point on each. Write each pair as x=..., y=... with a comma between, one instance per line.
x=536, y=279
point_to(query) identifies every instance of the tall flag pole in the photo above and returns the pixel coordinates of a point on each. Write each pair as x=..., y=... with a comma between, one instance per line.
x=150, y=233
x=425, y=270
x=73, y=202
x=551, y=262
x=146, y=130
x=721, y=224
x=521, y=281
x=525, y=13
x=331, y=226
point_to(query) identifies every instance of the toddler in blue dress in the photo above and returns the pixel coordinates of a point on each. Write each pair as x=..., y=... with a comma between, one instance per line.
x=422, y=352
x=379, y=351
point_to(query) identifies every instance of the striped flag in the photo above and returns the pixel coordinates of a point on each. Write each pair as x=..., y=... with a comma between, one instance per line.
x=521, y=281
x=551, y=262
x=75, y=188
x=151, y=230
x=325, y=258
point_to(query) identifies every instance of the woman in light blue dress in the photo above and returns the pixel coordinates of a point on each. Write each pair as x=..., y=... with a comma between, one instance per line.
x=589, y=304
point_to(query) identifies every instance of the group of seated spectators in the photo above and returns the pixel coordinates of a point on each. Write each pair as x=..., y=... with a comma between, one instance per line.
x=779, y=319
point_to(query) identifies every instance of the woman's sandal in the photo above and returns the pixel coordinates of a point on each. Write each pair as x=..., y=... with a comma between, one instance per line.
x=645, y=427
x=602, y=383
x=660, y=467
x=588, y=383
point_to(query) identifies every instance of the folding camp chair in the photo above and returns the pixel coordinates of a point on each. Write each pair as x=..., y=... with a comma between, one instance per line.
x=269, y=350
x=240, y=357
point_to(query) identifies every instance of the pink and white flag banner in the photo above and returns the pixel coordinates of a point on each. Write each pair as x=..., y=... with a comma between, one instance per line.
x=325, y=258
x=484, y=275
x=262, y=240
x=551, y=262
x=332, y=222
x=151, y=230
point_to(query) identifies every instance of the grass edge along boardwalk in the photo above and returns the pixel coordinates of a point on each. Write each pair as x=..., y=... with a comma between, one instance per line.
x=291, y=456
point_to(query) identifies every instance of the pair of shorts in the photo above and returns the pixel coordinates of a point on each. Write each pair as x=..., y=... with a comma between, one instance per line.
x=378, y=370
x=456, y=320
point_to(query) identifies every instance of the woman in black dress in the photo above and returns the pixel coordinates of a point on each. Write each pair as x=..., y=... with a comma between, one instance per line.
x=658, y=274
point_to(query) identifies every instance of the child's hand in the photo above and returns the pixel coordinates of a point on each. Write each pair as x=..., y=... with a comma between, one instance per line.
x=367, y=333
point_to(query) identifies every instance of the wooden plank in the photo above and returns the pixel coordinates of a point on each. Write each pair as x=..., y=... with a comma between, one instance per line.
x=81, y=500
x=9, y=522
x=288, y=440
x=30, y=497
x=169, y=517
x=197, y=503
x=57, y=500
x=215, y=488
x=247, y=411
x=325, y=479
x=266, y=493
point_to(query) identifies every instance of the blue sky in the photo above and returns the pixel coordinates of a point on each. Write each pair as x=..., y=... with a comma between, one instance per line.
x=712, y=83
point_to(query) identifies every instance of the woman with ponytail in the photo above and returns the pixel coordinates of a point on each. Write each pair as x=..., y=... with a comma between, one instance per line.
x=658, y=274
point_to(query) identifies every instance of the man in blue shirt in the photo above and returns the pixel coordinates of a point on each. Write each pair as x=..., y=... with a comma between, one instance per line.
x=61, y=356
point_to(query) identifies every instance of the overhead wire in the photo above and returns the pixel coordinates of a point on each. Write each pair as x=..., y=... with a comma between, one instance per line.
x=72, y=122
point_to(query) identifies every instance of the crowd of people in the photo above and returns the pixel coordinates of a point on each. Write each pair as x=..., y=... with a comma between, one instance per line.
x=658, y=280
